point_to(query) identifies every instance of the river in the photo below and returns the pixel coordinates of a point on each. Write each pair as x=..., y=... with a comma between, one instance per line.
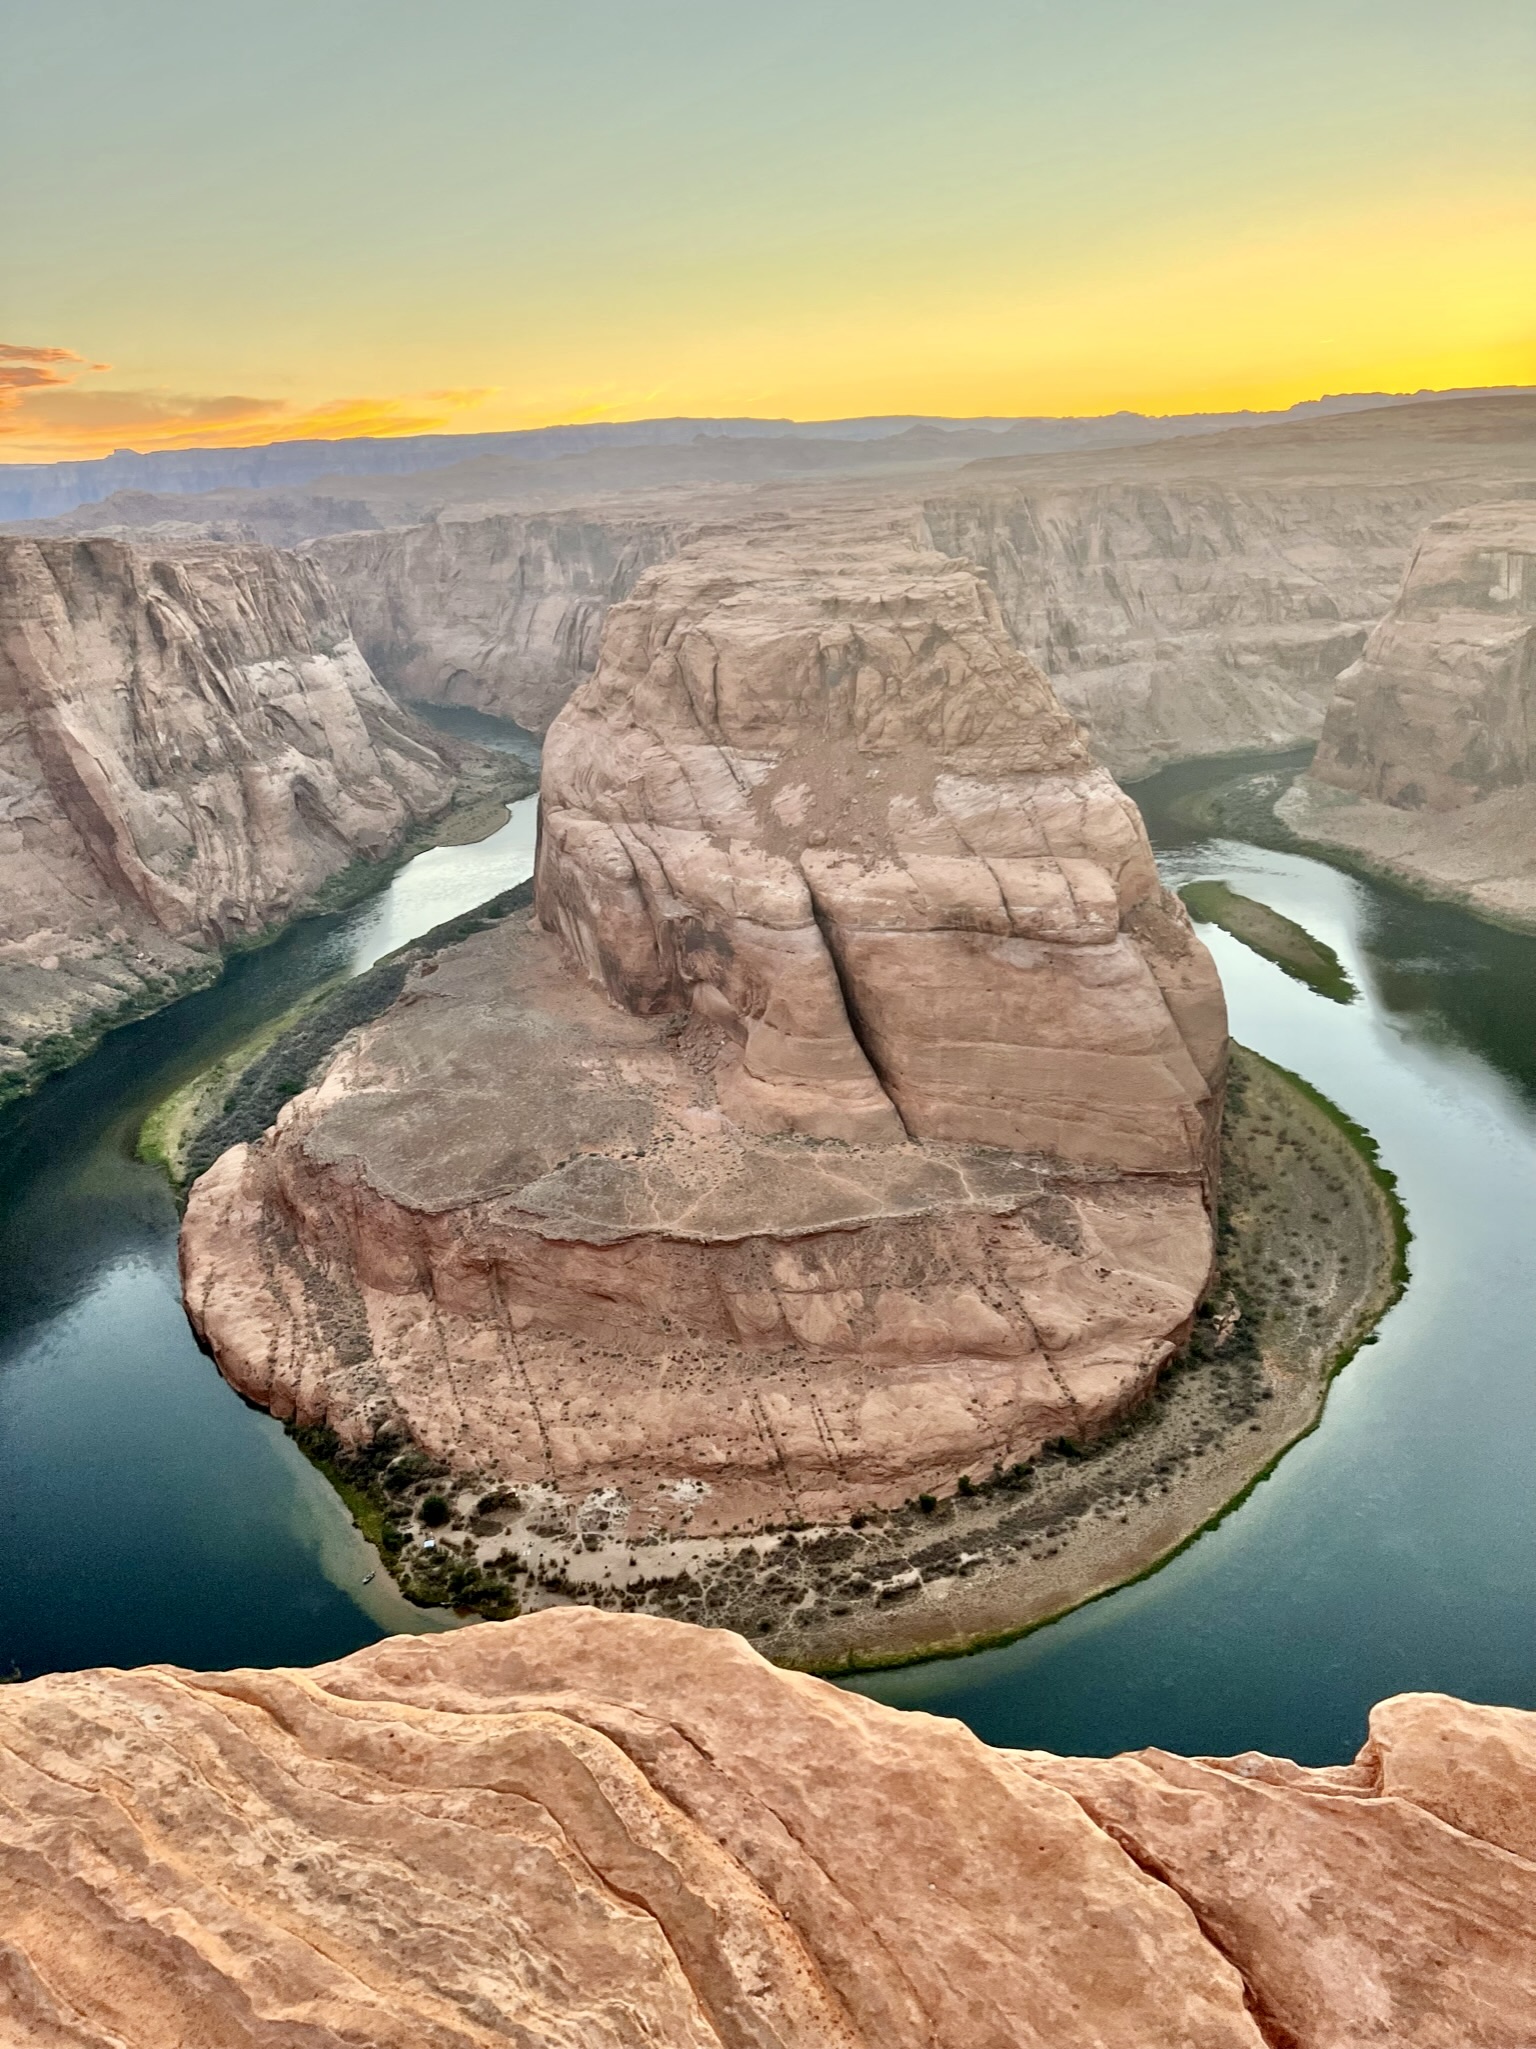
x=1394, y=1549
x=146, y=1512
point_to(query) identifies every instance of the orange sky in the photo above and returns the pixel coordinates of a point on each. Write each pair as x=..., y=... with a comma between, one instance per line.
x=227, y=226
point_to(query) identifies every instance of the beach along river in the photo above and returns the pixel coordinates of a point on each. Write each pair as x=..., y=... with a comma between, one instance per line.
x=146, y=1513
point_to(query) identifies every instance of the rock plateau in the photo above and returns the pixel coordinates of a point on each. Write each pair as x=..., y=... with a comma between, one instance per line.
x=589, y=1832
x=845, y=1120
x=1427, y=765
x=190, y=746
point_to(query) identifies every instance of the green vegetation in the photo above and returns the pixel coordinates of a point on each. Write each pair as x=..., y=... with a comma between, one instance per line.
x=371, y=1481
x=1361, y=1142
x=58, y=1050
x=1289, y=945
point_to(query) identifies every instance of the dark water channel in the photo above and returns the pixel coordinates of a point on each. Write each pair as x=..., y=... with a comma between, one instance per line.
x=1395, y=1548
x=145, y=1512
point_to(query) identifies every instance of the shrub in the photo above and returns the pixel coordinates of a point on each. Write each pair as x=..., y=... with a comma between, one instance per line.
x=434, y=1511
x=927, y=1503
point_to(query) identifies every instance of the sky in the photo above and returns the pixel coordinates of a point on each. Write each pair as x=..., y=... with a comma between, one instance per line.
x=236, y=221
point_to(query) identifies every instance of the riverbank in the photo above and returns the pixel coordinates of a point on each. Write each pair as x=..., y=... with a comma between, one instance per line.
x=1269, y=801
x=489, y=783
x=1313, y=1252
x=1481, y=859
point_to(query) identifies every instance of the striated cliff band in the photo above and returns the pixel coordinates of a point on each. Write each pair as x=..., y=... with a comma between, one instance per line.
x=1427, y=766
x=1193, y=595
x=587, y=1832
x=846, y=1117
x=502, y=614
x=1204, y=595
x=190, y=747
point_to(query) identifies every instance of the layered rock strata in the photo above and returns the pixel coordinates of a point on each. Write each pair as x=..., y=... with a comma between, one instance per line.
x=1427, y=764
x=190, y=745
x=587, y=1832
x=1190, y=618
x=846, y=1119
x=1203, y=596
x=502, y=614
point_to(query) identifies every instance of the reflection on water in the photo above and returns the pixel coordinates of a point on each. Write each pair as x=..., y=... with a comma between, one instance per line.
x=1396, y=1547
x=145, y=1511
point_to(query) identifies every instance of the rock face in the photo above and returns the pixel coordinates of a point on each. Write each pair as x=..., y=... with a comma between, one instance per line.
x=589, y=1832
x=1179, y=619
x=501, y=614
x=1431, y=737
x=846, y=1120
x=189, y=746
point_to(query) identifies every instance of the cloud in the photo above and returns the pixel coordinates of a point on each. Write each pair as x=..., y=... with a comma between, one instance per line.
x=24, y=369
x=46, y=415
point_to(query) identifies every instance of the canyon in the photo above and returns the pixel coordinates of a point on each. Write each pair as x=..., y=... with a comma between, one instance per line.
x=846, y=1117
x=1427, y=766
x=575, y=1830
x=501, y=614
x=192, y=747
x=1187, y=592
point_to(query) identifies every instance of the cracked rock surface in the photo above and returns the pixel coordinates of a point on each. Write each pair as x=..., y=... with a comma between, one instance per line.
x=576, y=1831
x=845, y=1119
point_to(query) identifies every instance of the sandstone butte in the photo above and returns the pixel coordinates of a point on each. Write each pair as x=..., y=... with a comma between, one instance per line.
x=844, y=1121
x=1427, y=764
x=580, y=1831
x=190, y=745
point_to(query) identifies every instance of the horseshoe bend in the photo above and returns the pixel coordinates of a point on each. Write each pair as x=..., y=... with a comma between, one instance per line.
x=842, y=1117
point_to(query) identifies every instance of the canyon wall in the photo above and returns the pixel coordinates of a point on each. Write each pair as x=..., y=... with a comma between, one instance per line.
x=592, y=1832
x=1427, y=765
x=190, y=746
x=1188, y=617
x=845, y=1121
x=502, y=614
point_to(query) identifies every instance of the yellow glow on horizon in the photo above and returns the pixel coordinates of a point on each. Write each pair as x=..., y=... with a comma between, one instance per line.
x=1393, y=300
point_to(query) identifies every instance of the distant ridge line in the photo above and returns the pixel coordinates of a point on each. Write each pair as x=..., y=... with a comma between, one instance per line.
x=44, y=490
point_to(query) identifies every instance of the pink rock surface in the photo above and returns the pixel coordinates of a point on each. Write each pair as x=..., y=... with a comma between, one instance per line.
x=1389, y=1902
x=579, y=1831
x=813, y=792
x=847, y=1127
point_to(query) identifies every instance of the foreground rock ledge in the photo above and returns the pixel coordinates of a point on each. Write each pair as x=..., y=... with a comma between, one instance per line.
x=576, y=1831
x=846, y=1122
